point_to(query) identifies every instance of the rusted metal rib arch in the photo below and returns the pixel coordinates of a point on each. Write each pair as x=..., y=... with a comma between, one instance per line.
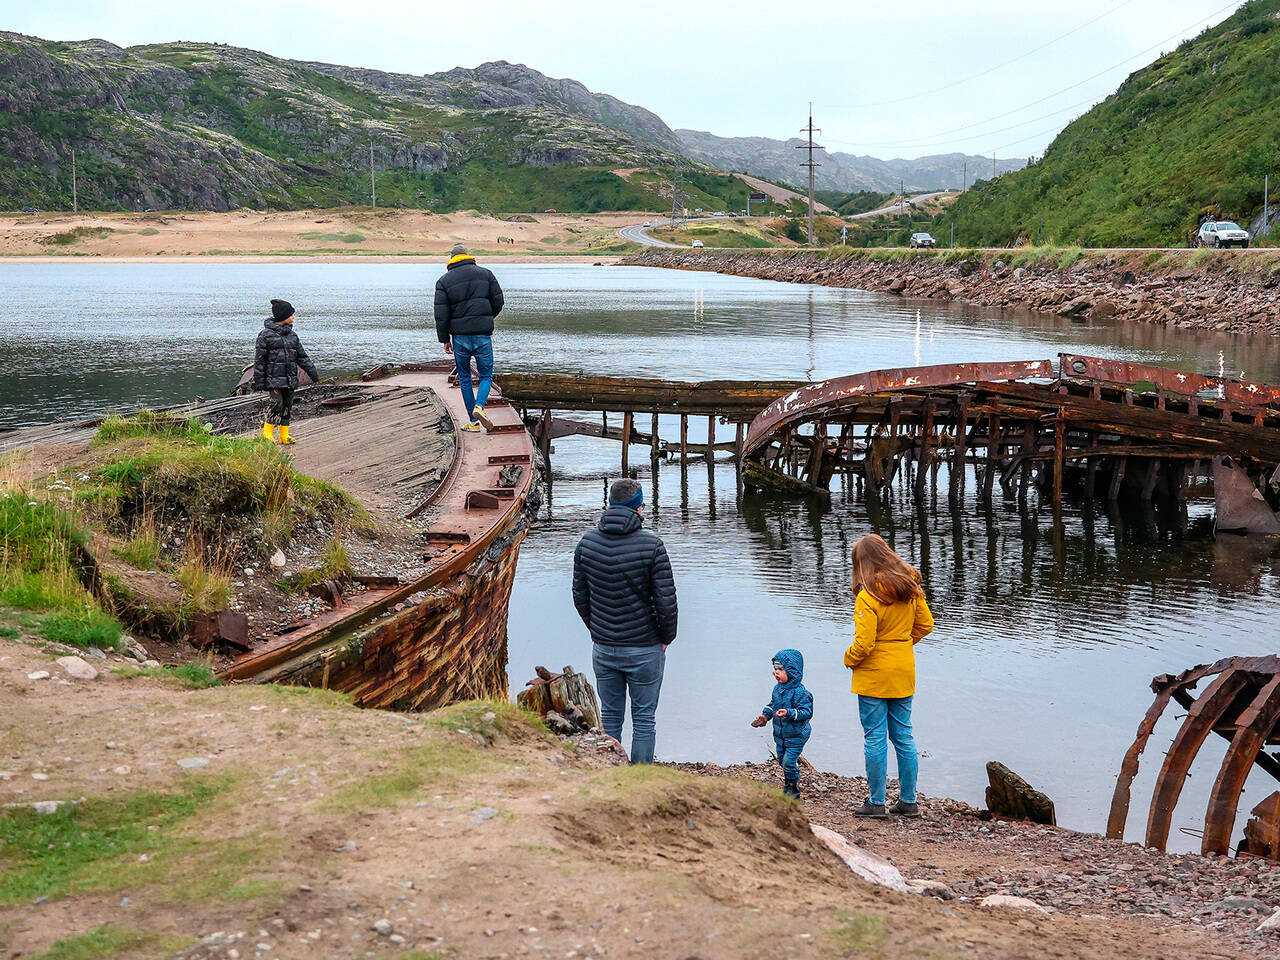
x=1205, y=712
x=1242, y=705
x=1253, y=728
x=816, y=399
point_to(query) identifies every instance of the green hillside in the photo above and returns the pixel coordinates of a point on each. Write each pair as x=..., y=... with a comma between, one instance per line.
x=1189, y=136
x=208, y=126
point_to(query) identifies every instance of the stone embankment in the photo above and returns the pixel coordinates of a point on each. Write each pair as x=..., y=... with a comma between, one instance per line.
x=1226, y=290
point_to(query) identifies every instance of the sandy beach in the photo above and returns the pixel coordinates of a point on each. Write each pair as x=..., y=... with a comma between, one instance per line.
x=353, y=234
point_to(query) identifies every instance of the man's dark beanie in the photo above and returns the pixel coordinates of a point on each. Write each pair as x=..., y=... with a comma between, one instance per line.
x=626, y=493
x=281, y=310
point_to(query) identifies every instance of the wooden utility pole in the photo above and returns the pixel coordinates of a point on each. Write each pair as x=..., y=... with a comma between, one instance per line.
x=964, y=178
x=373, y=184
x=810, y=146
x=75, y=196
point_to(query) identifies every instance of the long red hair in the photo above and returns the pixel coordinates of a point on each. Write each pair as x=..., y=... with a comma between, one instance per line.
x=882, y=573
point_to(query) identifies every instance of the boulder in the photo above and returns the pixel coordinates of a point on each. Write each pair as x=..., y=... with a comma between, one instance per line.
x=77, y=668
x=1013, y=903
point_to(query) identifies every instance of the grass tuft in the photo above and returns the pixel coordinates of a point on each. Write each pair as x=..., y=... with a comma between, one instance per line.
x=859, y=932
x=191, y=676
x=93, y=845
x=109, y=941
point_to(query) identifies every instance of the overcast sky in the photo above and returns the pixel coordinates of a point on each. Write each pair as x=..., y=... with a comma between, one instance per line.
x=907, y=79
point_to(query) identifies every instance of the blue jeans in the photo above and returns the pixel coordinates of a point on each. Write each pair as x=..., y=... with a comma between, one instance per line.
x=634, y=670
x=879, y=717
x=789, y=749
x=480, y=347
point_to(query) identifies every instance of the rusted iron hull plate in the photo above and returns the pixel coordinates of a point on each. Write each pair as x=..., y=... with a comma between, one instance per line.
x=1123, y=373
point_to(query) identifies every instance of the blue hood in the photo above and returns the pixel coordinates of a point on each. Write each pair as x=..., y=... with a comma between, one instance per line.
x=792, y=661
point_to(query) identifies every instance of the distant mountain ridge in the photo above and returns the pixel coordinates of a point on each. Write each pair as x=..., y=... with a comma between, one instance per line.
x=216, y=127
x=211, y=126
x=780, y=160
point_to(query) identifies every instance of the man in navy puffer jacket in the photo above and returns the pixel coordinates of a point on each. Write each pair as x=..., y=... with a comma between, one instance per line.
x=790, y=709
x=626, y=595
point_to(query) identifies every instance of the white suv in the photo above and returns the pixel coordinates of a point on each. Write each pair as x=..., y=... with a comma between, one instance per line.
x=922, y=240
x=1222, y=233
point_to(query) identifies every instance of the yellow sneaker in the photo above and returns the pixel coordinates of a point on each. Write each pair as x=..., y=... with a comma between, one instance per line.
x=269, y=431
x=285, y=438
x=479, y=414
x=471, y=427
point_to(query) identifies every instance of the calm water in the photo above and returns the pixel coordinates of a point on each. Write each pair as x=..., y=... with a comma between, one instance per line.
x=1046, y=640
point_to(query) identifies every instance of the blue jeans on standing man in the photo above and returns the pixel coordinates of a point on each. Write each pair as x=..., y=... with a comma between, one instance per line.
x=464, y=348
x=638, y=671
x=891, y=717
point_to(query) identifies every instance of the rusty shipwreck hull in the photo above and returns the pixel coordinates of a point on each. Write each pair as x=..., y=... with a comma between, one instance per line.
x=441, y=637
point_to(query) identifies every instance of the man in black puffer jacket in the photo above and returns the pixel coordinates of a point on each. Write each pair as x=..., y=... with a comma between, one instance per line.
x=468, y=297
x=276, y=360
x=626, y=595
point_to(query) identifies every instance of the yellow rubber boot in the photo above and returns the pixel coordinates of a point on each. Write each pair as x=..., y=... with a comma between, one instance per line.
x=285, y=439
x=269, y=431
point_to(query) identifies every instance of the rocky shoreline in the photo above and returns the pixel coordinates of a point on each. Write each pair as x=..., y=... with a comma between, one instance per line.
x=971, y=857
x=1234, y=291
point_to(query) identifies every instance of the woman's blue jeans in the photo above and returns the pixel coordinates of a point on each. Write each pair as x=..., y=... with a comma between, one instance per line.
x=464, y=348
x=888, y=719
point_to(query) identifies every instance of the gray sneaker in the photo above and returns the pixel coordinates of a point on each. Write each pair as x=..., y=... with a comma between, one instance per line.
x=901, y=809
x=874, y=810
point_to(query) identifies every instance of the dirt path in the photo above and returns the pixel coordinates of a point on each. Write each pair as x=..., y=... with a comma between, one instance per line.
x=277, y=823
x=781, y=194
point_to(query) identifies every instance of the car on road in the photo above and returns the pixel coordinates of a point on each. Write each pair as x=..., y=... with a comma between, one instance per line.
x=696, y=243
x=719, y=213
x=922, y=240
x=1222, y=233
x=648, y=223
x=549, y=210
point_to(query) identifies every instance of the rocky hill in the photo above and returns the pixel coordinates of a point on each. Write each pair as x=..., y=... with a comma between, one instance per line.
x=779, y=160
x=215, y=127
x=1190, y=136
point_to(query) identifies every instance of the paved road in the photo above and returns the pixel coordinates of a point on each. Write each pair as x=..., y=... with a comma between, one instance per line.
x=898, y=207
x=640, y=234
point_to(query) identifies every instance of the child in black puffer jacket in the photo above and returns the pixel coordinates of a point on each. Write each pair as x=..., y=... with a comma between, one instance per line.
x=276, y=360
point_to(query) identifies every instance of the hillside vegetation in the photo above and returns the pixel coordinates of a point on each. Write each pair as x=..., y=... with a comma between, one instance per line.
x=208, y=126
x=1190, y=136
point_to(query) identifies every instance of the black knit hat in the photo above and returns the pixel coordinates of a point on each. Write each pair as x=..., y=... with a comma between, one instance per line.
x=281, y=310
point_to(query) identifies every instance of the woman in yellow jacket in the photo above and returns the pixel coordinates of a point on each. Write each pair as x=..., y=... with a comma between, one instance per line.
x=890, y=617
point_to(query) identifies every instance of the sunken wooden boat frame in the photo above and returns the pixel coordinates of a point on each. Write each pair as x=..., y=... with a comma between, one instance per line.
x=441, y=637
x=1241, y=704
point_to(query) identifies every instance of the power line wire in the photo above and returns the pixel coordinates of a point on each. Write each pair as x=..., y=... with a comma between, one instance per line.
x=981, y=73
x=947, y=133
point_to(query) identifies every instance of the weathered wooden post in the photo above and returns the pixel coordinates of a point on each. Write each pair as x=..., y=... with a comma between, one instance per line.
x=626, y=442
x=926, y=448
x=684, y=438
x=653, y=442
x=711, y=439
x=1059, y=443
x=958, y=448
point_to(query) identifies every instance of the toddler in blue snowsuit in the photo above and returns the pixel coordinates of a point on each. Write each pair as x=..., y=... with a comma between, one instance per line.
x=790, y=709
